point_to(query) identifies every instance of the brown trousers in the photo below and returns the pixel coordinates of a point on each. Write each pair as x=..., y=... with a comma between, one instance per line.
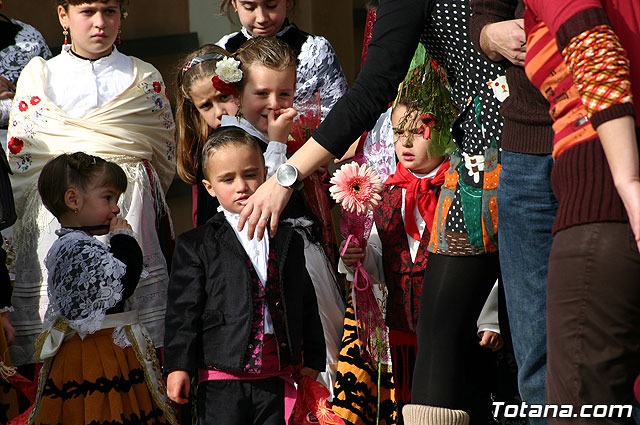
x=593, y=319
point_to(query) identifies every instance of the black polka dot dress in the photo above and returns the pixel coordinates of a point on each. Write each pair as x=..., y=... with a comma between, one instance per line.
x=466, y=220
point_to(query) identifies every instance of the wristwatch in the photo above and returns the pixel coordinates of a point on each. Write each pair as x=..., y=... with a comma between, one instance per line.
x=287, y=176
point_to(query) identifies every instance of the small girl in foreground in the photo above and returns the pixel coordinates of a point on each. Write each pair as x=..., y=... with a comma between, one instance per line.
x=204, y=100
x=241, y=314
x=98, y=359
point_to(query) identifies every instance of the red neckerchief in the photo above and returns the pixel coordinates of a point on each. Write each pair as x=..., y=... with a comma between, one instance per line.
x=414, y=186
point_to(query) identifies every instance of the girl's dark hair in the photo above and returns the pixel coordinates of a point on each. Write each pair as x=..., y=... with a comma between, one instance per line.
x=270, y=52
x=227, y=136
x=76, y=170
x=66, y=3
x=191, y=128
x=226, y=6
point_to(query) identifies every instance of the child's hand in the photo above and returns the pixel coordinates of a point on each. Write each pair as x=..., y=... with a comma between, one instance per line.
x=352, y=255
x=491, y=340
x=9, y=331
x=306, y=371
x=279, y=124
x=178, y=386
x=118, y=223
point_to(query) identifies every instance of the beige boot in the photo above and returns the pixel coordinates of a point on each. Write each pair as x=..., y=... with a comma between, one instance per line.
x=418, y=414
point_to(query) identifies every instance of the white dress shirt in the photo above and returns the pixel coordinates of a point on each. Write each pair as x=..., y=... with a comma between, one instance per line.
x=258, y=252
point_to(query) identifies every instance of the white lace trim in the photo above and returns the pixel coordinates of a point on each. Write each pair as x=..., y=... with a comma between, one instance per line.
x=319, y=71
x=84, y=281
x=379, y=149
x=120, y=337
x=6, y=309
x=127, y=232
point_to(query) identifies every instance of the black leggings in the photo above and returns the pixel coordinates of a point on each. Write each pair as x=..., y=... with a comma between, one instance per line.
x=451, y=369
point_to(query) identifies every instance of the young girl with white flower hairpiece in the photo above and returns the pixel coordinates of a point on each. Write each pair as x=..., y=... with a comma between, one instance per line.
x=318, y=68
x=199, y=109
x=94, y=99
x=207, y=90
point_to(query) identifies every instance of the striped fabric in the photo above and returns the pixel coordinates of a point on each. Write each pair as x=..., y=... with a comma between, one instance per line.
x=603, y=82
x=547, y=70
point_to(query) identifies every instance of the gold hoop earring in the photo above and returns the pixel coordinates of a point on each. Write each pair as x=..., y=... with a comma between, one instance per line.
x=65, y=32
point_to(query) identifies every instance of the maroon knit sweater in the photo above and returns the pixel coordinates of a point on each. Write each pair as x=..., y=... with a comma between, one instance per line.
x=581, y=177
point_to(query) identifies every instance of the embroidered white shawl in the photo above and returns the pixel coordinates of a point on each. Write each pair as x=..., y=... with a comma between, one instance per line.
x=134, y=126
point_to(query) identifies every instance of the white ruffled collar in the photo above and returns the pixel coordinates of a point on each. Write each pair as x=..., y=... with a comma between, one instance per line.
x=229, y=120
x=285, y=27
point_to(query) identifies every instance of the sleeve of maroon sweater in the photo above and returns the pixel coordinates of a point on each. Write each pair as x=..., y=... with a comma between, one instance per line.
x=556, y=13
x=485, y=12
x=593, y=54
x=396, y=34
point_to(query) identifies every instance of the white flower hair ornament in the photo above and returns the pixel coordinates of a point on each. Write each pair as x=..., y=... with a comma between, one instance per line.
x=228, y=74
x=228, y=69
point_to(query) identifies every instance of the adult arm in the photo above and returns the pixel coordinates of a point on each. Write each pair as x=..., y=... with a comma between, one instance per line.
x=618, y=140
x=494, y=31
x=396, y=33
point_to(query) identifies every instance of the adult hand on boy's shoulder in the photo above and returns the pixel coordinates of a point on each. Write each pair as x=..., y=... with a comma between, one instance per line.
x=178, y=386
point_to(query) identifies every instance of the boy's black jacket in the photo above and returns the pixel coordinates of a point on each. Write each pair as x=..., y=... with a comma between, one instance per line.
x=209, y=307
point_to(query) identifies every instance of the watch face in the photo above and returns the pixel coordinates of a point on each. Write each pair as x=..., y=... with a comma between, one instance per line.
x=286, y=175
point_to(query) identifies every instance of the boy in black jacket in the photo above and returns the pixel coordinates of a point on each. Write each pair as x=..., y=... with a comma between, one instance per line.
x=241, y=314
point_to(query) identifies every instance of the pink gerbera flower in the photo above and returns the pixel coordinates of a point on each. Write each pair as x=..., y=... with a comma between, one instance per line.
x=356, y=187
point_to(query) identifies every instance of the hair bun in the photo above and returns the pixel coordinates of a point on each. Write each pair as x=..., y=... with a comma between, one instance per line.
x=81, y=161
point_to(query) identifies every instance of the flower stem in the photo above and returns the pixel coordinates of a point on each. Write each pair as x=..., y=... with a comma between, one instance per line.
x=379, y=343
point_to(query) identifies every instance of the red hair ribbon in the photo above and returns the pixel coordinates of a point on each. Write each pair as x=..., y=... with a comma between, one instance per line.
x=224, y=88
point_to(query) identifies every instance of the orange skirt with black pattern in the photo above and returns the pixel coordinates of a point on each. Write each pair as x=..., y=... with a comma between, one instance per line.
x=94, y=381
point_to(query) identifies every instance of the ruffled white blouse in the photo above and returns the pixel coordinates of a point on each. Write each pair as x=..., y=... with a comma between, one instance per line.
x=78, y=86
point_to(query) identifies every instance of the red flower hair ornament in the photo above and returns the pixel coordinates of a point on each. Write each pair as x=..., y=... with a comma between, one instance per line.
x=428, y=121
x=228, y=75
